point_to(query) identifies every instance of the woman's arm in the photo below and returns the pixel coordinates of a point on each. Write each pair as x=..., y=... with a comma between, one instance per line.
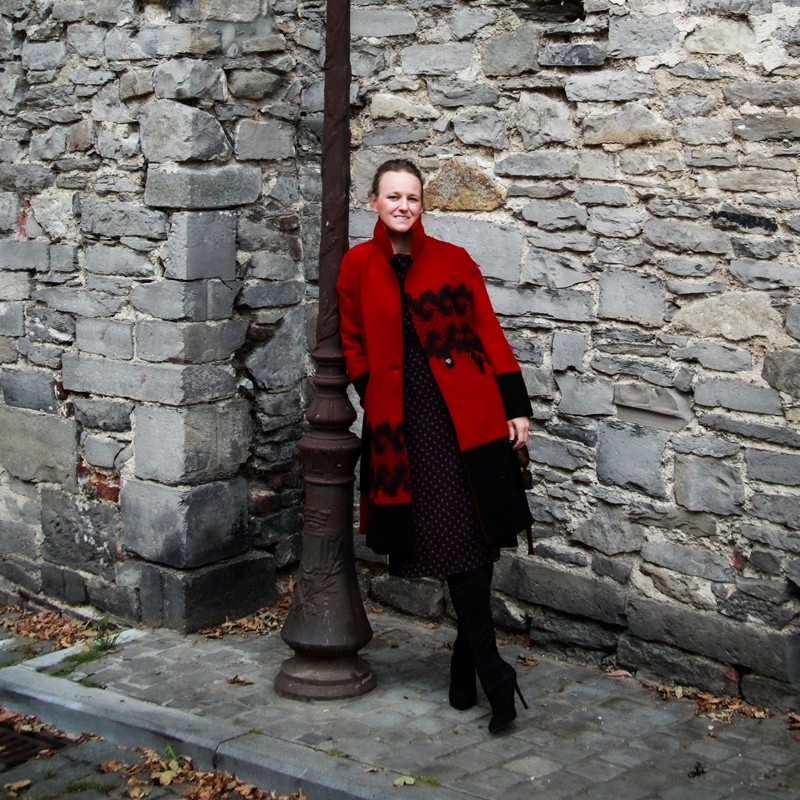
x=350, y=327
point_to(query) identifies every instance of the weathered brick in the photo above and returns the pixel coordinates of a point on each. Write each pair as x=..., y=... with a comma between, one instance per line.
x=210, y=187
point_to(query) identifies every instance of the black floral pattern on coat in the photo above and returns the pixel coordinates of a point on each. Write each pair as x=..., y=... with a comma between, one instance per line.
x=442, y=321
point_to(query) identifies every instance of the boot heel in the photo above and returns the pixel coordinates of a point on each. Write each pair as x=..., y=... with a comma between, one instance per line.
x=519, y=693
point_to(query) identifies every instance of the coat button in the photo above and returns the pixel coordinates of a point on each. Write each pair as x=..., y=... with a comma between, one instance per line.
x=449, y=362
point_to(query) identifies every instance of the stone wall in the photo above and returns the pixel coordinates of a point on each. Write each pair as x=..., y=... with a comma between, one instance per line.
x=625, y=173
x=626, y=176
x=156, y=184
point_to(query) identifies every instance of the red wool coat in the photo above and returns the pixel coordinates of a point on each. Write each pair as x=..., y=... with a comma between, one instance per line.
x=473, y=365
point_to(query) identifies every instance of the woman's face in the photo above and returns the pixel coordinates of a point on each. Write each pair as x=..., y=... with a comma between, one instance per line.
x=398, y=203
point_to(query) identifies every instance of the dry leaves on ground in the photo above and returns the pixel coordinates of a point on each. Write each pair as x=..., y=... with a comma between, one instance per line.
x=178, y=772
x=24, y=723
x=720, y=709
x=259, y=623
x=49, y=626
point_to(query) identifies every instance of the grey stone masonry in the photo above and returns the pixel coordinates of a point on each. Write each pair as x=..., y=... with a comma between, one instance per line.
x=626, y=180
x=192, y=445
x=184, y=527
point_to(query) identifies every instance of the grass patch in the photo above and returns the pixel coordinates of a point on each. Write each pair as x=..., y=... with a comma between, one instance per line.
x=97, y=648
x=88, y=785
x=333, y=752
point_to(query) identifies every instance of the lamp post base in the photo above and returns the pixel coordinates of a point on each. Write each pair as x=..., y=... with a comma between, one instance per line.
x=324, y=677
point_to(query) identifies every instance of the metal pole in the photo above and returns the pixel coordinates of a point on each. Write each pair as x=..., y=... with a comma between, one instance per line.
x=327, y=624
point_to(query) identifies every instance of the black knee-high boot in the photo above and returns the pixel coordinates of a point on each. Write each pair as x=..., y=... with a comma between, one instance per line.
x=463, y=694
x=471, y=596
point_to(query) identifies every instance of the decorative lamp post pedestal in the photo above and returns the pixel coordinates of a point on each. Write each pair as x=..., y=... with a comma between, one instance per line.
x=327, y=624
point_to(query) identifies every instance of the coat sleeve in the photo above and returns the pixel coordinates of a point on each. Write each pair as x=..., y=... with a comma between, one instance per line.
x=350, y=325
x=506, y=369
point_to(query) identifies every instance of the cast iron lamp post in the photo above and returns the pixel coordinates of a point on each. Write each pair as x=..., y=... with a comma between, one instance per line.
x=327, y=624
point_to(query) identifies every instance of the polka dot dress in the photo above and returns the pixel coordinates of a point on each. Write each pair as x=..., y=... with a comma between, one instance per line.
x=447, y=536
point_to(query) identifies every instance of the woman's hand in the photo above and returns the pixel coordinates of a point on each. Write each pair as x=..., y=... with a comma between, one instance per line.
x=518, y=431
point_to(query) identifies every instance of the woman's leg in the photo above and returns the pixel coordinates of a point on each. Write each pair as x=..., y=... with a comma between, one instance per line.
x=471, y=596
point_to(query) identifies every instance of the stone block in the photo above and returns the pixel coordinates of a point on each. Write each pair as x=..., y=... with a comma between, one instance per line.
x=673, y=409
x=64, y=584
x=721, y=36
x=783, y=509
x=15, y=286
x=633, y=124
x=172, y=131
x=184, y=527
x=151, y=41
x=556, y=453
x=188, y=79
x=665, y=663
x=201, y=244
x=769, y=653
x=103, y=414
x=781, y=94
x=43, y=55
x=382, y=22
x=538, y=165
x=461, y=187
x=29, y=388
x=39, y=447
x=192, y=342
x=251, y=84
x=548, y=628
x=171, y=384
x=609, y=86
x=20, y=518
x=436, y=59
x=611, y=531
x=79, y=301
x=103, y=337
x=16, y=255
x=760, y=274
x=468, y=21
x=541, y=120
x=737, y=395
x=782, y=371
x=563, y=304
x=12, y=319
x=452, y=92
x=209, y=187
x=636, y=35
x=187, y=600
x=116, y=219
x=585, y=396
x=631, y=456
x=188, y=300
x=572, y=55
x=735, y=316
x=512, y=53
x=271, y=140
x=713, y=355
x=568, y=350
x=580, y=593
x=497, y=250
x=198, y=444
x=769, y=693
x=773, y=467
x=392, y=107
x=100, y=451
x=552, y=215
x=422, y=597
x=271, y=294
x=621, y=223
x=79, y=533
x=688, y=560
x=105, y=260
x=618, y=569
x=281, y=361
x=632, y=297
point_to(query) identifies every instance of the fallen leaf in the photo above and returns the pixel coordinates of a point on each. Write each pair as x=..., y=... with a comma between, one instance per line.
x=237, y=681
x=697, y=770
x=527, y=661
x=618, y=673
x=404, y=780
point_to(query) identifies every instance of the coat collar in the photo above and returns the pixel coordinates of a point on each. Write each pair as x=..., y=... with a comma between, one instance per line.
x=418, y=238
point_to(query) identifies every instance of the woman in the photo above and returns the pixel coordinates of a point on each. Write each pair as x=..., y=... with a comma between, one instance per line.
x=444, y=408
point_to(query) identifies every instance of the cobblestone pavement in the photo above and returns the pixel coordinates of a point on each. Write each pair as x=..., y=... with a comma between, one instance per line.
x=586, y=734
